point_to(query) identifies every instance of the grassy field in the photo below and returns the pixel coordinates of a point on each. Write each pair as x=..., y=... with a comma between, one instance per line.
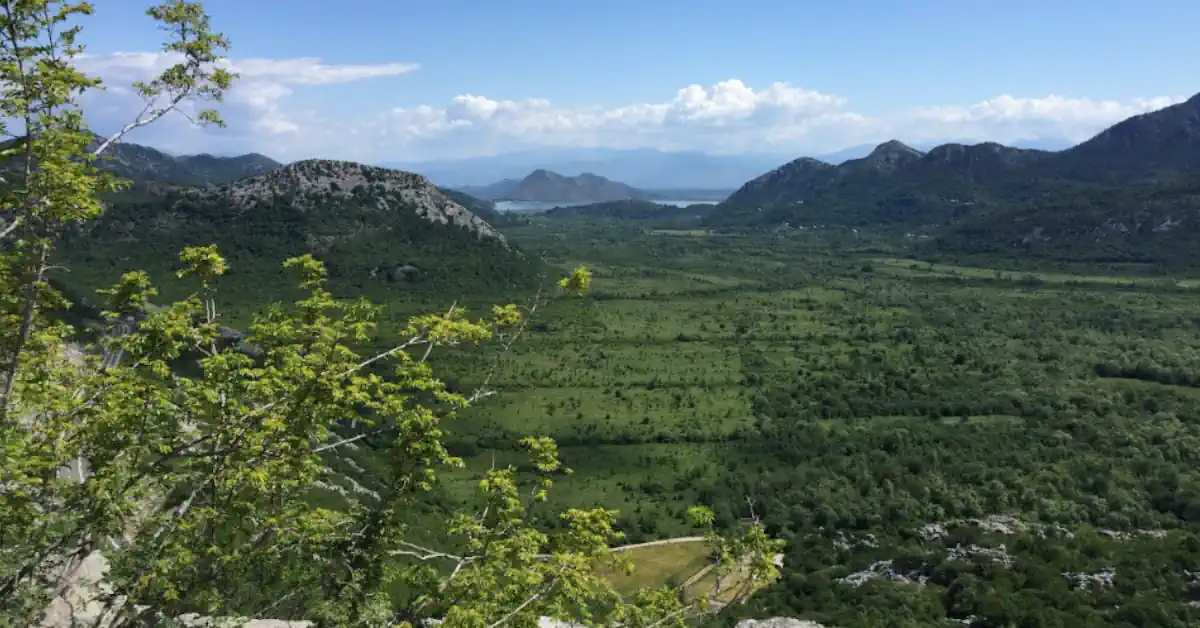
x=916, y=269
x=684, y=565
x=673, y=564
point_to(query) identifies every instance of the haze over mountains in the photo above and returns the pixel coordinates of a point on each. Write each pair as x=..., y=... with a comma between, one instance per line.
x=640, y=168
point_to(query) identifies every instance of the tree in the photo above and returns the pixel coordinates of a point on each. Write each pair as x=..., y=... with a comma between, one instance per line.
x=173, y=493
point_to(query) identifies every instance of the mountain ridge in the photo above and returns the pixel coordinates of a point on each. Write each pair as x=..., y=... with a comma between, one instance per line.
x=146, y=164
x=643, y=168
x=899, y=186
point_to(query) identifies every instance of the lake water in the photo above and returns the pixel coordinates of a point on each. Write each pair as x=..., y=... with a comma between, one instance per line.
x=536, y=206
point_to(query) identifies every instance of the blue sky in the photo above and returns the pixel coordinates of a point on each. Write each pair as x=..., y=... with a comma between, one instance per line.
x=609, y=73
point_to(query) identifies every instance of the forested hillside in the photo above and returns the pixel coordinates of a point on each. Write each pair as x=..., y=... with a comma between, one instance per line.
x=384, y=234
x=1152, y=225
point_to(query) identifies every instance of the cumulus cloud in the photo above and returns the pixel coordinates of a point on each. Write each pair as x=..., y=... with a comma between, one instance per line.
x=1008, y=118
x=266, y=114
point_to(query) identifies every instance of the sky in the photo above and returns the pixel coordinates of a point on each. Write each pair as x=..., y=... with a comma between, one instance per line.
x=408, y=80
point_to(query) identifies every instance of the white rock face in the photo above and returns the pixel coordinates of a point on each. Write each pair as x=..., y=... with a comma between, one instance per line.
x=1082, y=580
x=779, y=622
x=327, y=178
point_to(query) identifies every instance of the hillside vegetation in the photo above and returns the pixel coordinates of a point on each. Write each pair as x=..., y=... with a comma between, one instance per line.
x=1155, y=226
x=647, y=213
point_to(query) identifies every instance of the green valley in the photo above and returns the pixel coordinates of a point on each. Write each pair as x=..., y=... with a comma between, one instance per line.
x=856, y=401
x=935, y=437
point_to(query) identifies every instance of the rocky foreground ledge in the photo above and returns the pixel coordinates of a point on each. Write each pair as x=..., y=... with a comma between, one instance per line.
x=779, y=622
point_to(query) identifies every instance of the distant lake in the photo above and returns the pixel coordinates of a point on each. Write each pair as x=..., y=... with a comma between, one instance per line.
x=538, y=206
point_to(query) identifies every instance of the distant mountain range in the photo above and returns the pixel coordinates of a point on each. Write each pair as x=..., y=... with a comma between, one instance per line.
x=646, y=169
x=862, y=150
x=902, y=185
x=640, y=168
x=544, y=186
x=142, y=163
x=148, y=167
x=1128, y=188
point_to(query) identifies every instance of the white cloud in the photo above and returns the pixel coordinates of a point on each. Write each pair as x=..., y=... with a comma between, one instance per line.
x=259, y=110
x=266, y=115
x=299, y=71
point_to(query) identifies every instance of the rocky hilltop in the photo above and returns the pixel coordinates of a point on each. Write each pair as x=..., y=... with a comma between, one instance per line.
x=376, y=230
x=316, y=184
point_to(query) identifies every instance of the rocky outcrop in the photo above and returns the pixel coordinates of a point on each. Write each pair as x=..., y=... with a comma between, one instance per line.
x=1083, y=580
x=315, y=183
x=888, y=157
x=886, y=570
x=779, y=622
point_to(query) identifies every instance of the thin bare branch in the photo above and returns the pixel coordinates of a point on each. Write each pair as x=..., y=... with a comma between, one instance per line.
x=12, y=226
x=415, y=340
x=523, y=605
x=483, y=391
x=424, y=553
x=148, y=116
